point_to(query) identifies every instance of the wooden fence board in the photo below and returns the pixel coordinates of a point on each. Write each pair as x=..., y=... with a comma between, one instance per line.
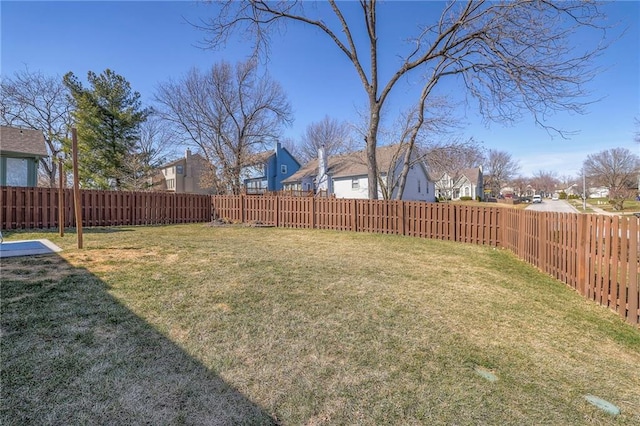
x=594, y=254
x=24, y=208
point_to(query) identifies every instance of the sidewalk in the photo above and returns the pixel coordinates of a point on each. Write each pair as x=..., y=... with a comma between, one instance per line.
x=598, y=210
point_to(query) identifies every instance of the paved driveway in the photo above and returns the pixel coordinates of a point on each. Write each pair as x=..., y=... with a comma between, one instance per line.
x=548, y=205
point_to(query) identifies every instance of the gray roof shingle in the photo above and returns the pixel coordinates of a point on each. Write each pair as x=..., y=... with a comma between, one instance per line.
x=348, y=165
x=22, y=141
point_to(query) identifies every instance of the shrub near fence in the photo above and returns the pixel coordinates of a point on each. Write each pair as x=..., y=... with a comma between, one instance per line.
x=26, y=208
x=596, y=255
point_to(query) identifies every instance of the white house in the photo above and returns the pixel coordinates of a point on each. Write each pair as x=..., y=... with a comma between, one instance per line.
x=464, y=183
x=345, y=176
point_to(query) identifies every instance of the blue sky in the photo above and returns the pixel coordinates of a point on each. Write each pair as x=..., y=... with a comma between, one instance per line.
x=150, y=42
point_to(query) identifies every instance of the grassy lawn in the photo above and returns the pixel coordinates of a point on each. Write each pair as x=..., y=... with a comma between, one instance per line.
x=195, y=324
x=577, y=203
x=630, y=205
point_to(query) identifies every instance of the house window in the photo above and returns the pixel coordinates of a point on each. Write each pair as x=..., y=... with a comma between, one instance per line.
x=179, y=169
x=17, y=172
x=355, y=183
x=171, y=184
x=283, y=169
x=419, y=188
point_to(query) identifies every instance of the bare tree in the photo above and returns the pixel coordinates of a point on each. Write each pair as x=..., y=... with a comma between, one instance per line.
x=454, y=154
x=33, y=100
x=499, y=169
x=616, y=169
x=521, y=185
x=544, y=182
x=511, y=56
x=451, y=158
x=330, y=133
x=157, y=142
x=228, y=113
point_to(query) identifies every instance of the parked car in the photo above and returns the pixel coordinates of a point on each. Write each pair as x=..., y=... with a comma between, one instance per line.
x=536, y=199
x=555, y=197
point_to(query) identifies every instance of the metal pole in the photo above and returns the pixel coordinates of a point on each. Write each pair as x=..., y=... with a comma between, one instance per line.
x=76, y=187
x=60, y=197
x=584, y=192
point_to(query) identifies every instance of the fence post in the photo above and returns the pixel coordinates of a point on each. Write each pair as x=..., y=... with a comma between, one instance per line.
x=2, y=204
x=242, y=205
x=582, y=254
x=521, y=235
x=60, y=197
x=313, y=212
x=354, y=215
x=402, y=218
x=277, y=201
x=76, y=188
x=452, y=223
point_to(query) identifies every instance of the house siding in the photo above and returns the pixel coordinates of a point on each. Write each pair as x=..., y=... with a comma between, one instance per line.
x=343, y=187
x=269, y=175
x=183, y=176
x=18, y=171
x=417, y=187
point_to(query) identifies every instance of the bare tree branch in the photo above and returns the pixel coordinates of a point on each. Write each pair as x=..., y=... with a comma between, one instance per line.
x=513, y=57
x=228, y=113
x=35, y=101
x=618, y=170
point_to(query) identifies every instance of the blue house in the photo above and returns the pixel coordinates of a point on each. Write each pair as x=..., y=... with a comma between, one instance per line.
x=267, y=170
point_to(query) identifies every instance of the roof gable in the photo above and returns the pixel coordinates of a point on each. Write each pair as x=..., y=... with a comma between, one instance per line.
x=22, y=141
x=350, y=165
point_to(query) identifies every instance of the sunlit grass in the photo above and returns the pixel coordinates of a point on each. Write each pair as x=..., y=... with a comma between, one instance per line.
x=310, y=327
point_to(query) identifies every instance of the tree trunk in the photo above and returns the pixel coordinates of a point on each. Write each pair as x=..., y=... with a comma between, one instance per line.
x=371, y=140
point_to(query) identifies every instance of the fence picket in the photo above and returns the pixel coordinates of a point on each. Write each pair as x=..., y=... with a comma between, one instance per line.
x=595, y=255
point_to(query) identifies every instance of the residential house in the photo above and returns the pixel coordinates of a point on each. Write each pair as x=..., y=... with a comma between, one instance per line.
x=20, y=152
x=184, y=175
x=464, y=183
x=266, y=170
x=345, y=176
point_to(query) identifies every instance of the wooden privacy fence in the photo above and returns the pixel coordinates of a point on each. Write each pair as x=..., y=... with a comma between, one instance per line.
x=472, y=224
x=596, y=255
x=25, y=208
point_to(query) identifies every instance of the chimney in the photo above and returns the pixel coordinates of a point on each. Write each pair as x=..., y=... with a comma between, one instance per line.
x=187, y=153
x=322, y=179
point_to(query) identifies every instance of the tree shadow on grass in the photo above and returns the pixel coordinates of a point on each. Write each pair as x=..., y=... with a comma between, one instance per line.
x=72, y=354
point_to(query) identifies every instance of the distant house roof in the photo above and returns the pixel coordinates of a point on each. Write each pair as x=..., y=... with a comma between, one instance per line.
x=196, y=157
x=262, y=157
x=259, y=158
x=17, y=140
x=347, y=165
x=471, y=174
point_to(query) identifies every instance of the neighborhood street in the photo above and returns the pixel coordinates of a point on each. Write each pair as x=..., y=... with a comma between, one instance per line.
x=548, y=205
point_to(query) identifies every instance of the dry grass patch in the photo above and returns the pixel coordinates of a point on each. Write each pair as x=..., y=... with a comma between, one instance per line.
x=318, y=327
